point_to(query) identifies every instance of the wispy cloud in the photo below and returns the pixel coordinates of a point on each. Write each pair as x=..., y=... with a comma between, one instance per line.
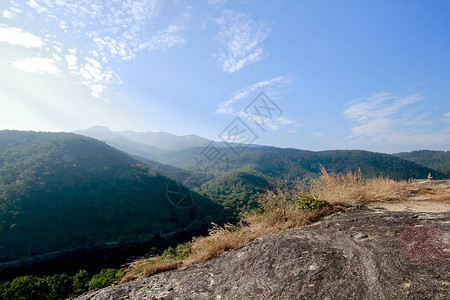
x=11, y=13
x=227, y=106
x=102, y=32
x=114, y=27
x=166, y=39
x=241, y=38
x=217, y=3
x=278, y=122
x=271, y=87
x=318, y=134
x=40, y=9
x=387, y=118
x=17, y=36
x=446, y=117
x=91, y=72
x=37, y=65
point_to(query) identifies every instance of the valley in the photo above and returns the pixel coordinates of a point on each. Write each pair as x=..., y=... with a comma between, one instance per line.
x=70, y=202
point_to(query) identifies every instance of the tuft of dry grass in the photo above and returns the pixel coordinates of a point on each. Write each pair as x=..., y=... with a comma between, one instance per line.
x=384, y=189
x=351, y=188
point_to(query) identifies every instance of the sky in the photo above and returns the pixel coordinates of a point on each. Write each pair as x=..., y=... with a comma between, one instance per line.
x=371, y=75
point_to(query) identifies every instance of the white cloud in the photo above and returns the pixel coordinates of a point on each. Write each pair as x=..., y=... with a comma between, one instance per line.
x=318, y=134
x=278, y=122
x=108, y=31
x=11, y=13
x=16, y=36
x=37, y=65
x=375, y=115
x=273, y=117
x=217, y=3
x=102, y=31
x=227, y=106
x=386, y=118
x=166, y=38
x=33, y=4
x=241, y=38
x=8, y=14
x=91, y=73
x=71, y=61
x=115, y=27
x=446, y=117
x=56, y=57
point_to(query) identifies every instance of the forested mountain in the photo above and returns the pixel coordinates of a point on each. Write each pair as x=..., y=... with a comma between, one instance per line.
x=61, y=190
x=297, y=164
x=180, y=151
x=438, y=160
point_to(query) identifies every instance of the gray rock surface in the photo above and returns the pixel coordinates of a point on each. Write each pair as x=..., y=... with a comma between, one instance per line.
x=361, y=253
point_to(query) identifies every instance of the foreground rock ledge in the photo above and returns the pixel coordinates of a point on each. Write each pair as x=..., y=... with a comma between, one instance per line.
x=361, y=253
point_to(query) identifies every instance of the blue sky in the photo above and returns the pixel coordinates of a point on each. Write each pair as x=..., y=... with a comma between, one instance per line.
x=371, y=75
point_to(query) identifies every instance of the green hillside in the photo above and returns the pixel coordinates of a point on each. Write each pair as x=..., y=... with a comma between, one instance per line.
x=438, y=160
x=297, y=164
x=237, y=191
x=62, y=190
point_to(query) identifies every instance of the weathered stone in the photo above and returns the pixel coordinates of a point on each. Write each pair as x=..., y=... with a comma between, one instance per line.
x=372, y=254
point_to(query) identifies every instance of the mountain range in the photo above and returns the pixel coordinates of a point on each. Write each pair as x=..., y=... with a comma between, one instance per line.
x=145, y=144
x=185, y=151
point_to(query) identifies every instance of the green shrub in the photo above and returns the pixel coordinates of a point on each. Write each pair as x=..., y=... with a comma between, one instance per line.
x=105, y=278
x=60, y=286
x=80, y=282
x=180, y=252
x=305, y=201
x=28, y=288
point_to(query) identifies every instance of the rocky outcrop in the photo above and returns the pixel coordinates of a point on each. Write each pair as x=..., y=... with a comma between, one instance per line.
x=362, y=253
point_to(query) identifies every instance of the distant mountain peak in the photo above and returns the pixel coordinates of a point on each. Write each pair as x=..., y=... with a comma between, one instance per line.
x=98, y=128
x=135, y=142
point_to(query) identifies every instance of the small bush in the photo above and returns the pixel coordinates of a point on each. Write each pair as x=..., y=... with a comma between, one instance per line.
x=80, y=282
x=180, y=252
x=105, y=278
x=277, y=205
x=306, y=201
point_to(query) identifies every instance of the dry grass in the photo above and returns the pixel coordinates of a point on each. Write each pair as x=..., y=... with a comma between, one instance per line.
x=228, y=237
x=351, y=188
x=281, y=210
x=435, y=191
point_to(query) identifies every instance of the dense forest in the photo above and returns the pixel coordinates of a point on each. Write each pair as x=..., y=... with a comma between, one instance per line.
x=438, y=160
x=237, y=191
x=61, y=190
x=294, y=164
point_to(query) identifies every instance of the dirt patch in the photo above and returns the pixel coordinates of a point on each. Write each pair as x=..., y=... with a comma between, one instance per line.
x=412, y=206
x=362, y=253
x=425, y=196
